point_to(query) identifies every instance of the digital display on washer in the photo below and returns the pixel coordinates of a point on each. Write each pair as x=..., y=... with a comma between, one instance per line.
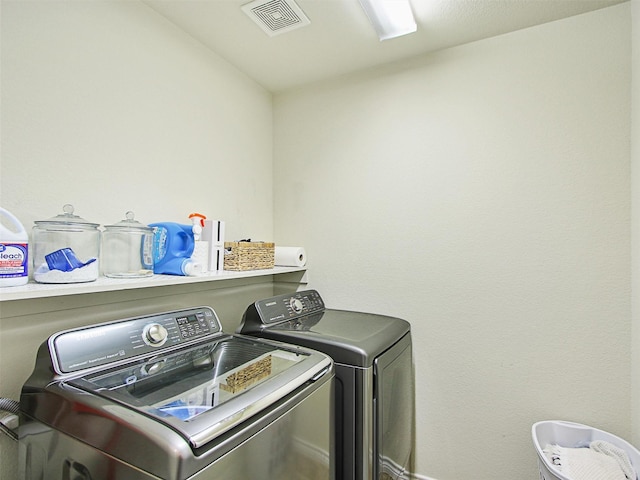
x=192, y=325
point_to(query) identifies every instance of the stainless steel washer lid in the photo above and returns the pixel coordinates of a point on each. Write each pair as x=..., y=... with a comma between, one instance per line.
x=206, y=390
x=350, y=338
x=175, y=371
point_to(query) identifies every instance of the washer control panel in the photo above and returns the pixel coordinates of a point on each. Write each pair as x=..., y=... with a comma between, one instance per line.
x=289, y=306
x=99, y=345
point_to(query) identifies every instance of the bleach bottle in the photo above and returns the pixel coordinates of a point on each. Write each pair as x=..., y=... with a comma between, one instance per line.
x=173, y=246
x=14, y=251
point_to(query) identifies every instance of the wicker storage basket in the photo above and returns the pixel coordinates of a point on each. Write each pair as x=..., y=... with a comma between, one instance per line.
x=239, y=256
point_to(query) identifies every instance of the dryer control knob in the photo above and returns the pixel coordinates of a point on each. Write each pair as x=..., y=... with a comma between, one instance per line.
x=296, y=305
x=156, y=334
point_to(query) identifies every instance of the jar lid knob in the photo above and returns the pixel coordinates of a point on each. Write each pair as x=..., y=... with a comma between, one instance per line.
x=68, y=209
x=129, y=216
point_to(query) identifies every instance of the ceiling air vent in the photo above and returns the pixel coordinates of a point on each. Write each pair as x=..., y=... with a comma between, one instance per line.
x=276, y=16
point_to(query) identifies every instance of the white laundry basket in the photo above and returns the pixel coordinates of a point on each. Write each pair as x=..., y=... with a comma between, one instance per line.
x=571, y=435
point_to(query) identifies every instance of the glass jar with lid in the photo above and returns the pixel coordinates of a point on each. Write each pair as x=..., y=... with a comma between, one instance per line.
x=66, y=249
x=127, y=249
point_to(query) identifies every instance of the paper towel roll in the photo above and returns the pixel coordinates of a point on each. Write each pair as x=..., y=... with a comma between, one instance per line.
x=290, y=257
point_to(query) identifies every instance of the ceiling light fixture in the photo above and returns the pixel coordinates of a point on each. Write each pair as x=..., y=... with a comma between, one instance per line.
x=390, y=18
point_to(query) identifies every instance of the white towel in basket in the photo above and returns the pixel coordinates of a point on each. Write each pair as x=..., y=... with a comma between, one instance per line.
x=601, y=461
x=618, y=453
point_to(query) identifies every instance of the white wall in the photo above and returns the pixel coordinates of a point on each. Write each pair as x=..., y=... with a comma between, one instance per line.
x=635, y=233
x=483, y=194
x=108, y=106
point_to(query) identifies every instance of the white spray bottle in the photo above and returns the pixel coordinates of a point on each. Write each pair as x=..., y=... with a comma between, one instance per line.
x=14, y=251
x=200, y=253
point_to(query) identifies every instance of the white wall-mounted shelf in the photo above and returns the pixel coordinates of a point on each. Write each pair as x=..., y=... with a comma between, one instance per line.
x=34, y=290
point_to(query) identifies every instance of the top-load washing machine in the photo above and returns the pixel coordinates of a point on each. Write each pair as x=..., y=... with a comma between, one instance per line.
x=170, y=396
x=374, y=408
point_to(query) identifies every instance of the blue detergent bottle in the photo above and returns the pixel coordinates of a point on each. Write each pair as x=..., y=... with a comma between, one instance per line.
x=173, y=245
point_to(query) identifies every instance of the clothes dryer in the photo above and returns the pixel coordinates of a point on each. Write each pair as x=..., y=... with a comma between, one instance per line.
x=374, y=407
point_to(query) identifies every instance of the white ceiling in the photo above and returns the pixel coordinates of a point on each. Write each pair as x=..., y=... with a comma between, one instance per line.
x=340, y=39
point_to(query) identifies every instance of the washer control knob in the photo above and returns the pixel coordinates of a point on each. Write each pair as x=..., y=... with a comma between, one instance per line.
x=156, y=334
x=296, y=305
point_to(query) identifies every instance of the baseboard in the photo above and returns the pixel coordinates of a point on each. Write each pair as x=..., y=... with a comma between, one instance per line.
x=393, y=470
x=416, y=476
x=389, y=467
